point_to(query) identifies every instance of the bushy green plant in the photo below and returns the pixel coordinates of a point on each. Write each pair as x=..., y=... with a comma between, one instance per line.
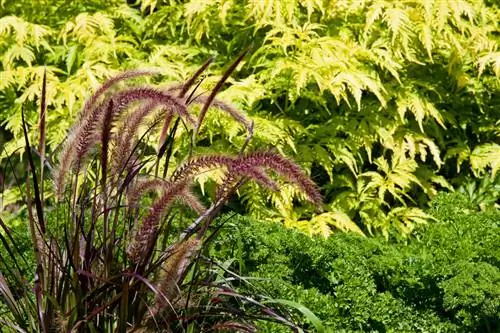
x=384, y=102
x=445, y=280
x=112, y=262
x=473, y=295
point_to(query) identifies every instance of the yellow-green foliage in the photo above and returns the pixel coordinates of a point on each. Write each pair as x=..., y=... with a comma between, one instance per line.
x=385, y=102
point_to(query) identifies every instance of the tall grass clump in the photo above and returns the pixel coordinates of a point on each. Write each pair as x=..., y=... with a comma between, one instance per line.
x=115, y=256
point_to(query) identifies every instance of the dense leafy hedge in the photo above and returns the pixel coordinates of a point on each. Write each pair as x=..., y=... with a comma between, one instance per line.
x=446, y=280
x=385, y=103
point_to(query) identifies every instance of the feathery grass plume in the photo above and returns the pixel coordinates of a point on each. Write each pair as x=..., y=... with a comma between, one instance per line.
x=142, y=186
x=164, y=98
x=191, y=200
x=126, y=133
x=225, y=188
x=82, y=136
x=215, y=90
x=243, y=169
x=93, y=100
x=143, y=238
x=85, y=133
x=196, y=164
x=236, y=172
x=285, y=168
x=173, y=270
x=248, y=166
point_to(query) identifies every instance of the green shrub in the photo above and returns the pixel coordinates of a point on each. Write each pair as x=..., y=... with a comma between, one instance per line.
x=378, y=100
x=445, y=280
x=473, y=295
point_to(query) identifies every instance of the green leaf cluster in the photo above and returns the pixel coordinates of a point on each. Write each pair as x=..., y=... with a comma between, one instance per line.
x=447, y=279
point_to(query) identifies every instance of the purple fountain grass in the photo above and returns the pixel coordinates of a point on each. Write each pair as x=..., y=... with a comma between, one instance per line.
x=125, y=133
x=249, y=166
x=173, y=269
x=93, y=100
x=116, y=251
x=144, y=237
x=146, y=185
x=286, y=168
x=124, y=98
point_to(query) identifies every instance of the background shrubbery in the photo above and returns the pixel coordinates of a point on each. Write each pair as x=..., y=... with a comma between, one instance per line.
x=445, y=280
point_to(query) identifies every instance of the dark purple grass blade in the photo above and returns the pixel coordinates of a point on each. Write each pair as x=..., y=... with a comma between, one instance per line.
x=215, y=90
x=105, y=137
x=36, y=189
x=170, y=147
x=193, y=78
x=95, y=312
x=39, y=297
